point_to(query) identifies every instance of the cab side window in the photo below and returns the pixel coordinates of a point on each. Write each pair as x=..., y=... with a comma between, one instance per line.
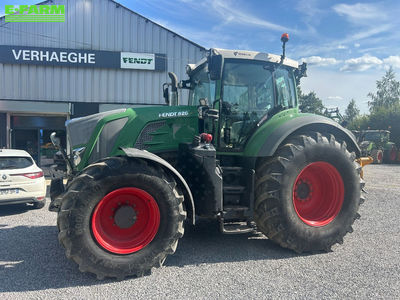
x=285, y=91
x=201, y=87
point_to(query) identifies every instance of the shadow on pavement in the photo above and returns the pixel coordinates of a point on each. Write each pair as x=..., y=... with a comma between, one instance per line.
x=204, y=243
x=13, y=209
x=32, y=259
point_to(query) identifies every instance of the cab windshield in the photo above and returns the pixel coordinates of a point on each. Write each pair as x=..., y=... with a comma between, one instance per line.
x=374, y=136
x=251, y=91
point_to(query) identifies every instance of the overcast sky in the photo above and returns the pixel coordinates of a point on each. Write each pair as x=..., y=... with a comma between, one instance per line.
x=348, y=45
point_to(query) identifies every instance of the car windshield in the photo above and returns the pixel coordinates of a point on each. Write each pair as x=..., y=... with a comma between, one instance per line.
x=12, y=162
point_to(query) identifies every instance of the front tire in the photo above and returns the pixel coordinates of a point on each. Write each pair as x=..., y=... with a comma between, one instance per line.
x=121, y=217
x=377, y=155
x=308, y=194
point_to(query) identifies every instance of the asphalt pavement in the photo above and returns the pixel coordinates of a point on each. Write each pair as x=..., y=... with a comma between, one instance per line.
x=210, y=265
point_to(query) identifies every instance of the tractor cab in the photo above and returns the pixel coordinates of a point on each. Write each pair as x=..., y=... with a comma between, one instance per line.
x=240, y=90
x=251, y=88
x=246, y=88
x=376, y=136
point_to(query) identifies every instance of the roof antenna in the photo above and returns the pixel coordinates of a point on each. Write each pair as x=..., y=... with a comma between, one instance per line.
x=284, y=40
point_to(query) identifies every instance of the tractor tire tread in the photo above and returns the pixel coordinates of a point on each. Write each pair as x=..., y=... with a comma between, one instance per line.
x=268, y=214
x=71, y=229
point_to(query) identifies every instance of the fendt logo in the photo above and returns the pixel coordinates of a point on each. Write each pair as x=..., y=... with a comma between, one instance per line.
x=236, y=53
x=173, y=114
x=35, y=13
x=134, y=60
x=143, y=61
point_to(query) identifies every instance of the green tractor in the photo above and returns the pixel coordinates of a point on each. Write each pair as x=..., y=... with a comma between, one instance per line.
x=377, y=144
x=239, y=152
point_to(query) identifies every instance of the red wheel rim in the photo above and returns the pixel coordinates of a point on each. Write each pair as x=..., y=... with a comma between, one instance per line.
x=125, y=220
x=318, y=194
x=380, y=156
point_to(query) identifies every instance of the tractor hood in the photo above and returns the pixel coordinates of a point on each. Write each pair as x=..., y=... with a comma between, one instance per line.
x=79, y=130
x=151, y=128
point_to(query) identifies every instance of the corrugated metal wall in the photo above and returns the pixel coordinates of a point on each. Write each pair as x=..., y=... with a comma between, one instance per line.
x=94, y=25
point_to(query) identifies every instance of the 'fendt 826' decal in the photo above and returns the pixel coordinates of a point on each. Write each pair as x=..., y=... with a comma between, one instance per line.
x=173, y=114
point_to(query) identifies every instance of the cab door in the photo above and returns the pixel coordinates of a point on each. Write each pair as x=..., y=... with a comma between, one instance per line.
x=247, y=95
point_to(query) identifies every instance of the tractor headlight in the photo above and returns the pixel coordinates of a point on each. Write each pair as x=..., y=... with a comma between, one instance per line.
x=77, y=154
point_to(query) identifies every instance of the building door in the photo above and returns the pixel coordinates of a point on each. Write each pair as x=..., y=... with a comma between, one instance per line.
x=28, y=140
x=32, y=134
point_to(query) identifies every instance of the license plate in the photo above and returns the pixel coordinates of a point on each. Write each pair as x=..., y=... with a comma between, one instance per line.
x=9, y=191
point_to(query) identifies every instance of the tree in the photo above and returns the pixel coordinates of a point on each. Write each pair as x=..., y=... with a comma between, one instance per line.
x=360, y=123
x=310, y=103
x=387, y=94
x=351, y=111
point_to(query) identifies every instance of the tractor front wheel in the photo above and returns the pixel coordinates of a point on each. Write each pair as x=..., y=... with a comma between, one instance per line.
x=377, y=155
x=121, y=217
x=308, y=194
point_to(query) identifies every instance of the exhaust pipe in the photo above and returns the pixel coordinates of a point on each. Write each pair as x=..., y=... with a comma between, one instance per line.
x=174, y=97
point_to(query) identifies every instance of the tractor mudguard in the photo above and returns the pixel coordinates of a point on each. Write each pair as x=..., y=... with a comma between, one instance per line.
x=133, y=152
x=307, y=123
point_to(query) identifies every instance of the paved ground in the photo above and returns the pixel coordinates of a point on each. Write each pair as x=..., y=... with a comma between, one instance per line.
x=209, y=265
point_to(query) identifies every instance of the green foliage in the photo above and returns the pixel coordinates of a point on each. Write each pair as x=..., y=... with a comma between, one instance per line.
x=310, y=103
x=387, y=94
x=359, y=123
x=352, y=111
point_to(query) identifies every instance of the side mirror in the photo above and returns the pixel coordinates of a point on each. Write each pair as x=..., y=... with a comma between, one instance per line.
x=215, y=66
x=300, y=72
x=55, y=140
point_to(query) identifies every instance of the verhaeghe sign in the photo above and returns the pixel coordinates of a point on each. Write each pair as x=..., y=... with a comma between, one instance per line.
x=82, y=58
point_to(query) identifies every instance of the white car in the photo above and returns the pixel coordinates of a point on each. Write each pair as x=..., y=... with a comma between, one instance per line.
x=21, y=180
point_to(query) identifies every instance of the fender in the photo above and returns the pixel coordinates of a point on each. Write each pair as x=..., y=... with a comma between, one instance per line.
x=307, y=122
x=133, y=152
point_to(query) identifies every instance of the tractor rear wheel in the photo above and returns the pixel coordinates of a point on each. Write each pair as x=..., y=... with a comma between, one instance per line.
x=308, y=194
x=390, y=155
x=377, y=155
x=121, y=217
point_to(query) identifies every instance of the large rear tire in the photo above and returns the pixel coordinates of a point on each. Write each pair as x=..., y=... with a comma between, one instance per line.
x=308, y=194
x=390, y=155
x=121, y=217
